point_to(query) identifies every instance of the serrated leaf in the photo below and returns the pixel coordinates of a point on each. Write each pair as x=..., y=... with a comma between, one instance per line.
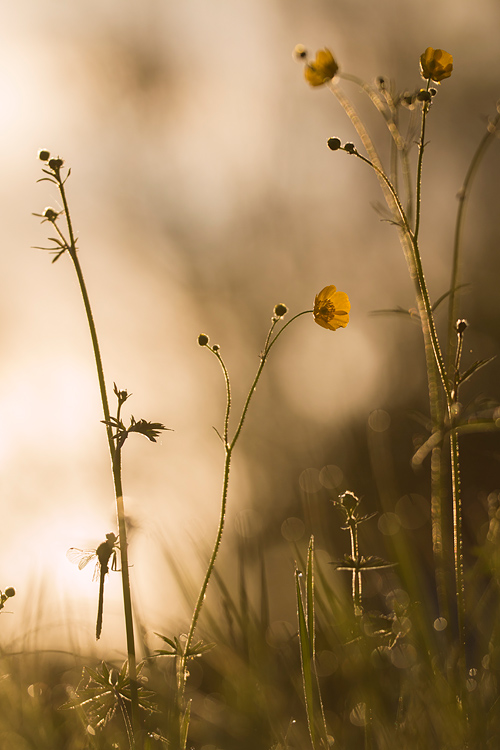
x=151, y=430
x=360, y=563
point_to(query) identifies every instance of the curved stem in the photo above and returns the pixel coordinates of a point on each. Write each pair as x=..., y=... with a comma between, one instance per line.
x=268, y=345
x=463, y=196
x=229, y=446
x=418, y=199
x=409, y=240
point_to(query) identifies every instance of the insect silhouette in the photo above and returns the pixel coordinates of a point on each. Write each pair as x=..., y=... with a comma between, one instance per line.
x=105, y=551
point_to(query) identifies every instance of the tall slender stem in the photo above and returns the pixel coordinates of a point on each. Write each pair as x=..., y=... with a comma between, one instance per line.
x=229, y=446
x=115, y=454
x=409, y=241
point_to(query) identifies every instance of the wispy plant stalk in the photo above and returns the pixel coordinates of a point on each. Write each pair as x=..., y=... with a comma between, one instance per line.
x=69, y=244
x=434, y=358
x=229, y=445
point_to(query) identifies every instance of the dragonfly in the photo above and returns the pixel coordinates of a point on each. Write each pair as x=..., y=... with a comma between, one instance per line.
x=105, y=552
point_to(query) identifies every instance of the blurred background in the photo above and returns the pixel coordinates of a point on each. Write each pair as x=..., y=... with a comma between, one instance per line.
x=203, y=193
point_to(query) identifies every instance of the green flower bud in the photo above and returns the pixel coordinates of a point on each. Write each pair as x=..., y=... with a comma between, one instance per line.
x=10, y=591
x=280, y=310
x=43, y=154
x=350, y=148
x=203, y=339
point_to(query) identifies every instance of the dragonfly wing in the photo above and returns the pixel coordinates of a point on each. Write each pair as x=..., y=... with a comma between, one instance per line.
x=97, y=571
x=80, y=557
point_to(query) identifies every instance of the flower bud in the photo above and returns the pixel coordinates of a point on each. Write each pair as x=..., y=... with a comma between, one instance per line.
x=10, y=591
x=436, y=64
x=280, y=310
x=299, y=52
x=43, y=154
x=203, y=339
x=424, y=96
x=215, y=348
x=50, y=214
x=461, y=325
x=55, y=164
x=408, y=99
x=334, y=144
x=349, y=501
x=350, y=148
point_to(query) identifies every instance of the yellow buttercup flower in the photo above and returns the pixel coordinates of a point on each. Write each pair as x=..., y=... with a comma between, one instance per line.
x=436, y=64
x=322, y=70
x=331, y=308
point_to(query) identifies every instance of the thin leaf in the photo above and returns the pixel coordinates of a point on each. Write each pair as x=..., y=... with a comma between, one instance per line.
x=167, y=640
x=445, y=295
x=391, y=311
x=185, y=726
x=474, y=368
x=310, y=595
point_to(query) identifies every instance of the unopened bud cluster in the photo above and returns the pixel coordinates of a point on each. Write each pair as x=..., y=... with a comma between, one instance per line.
x=335, y=144
x=55, y=163
x=10, y=591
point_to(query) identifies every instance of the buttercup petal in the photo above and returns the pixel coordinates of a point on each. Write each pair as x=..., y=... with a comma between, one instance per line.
x=322, y=70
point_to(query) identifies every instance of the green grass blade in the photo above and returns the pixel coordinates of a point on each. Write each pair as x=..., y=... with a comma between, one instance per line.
x=185, y=726
x=310, y=596
x=306, y=661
